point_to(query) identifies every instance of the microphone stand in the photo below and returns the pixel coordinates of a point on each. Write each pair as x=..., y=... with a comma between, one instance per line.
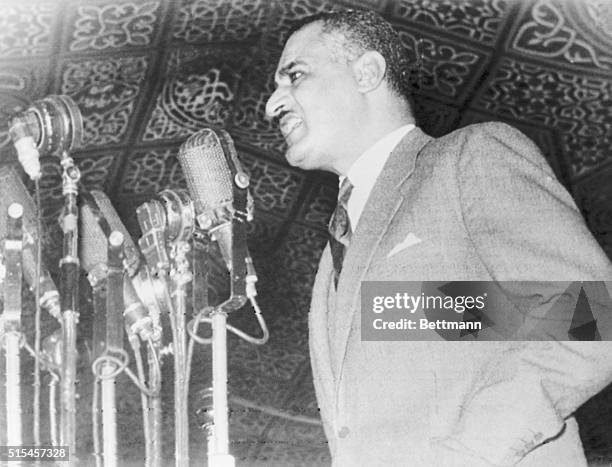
x=114, y=341
x=154, y=456
x=107, y=284
x=180, y=276
x=69, y=294
x=172, y=269
x=12, y=323
x=152, y=403
x=218, y=455
x=51, y=356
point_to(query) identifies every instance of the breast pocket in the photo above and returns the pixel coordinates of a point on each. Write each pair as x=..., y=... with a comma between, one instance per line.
x=397, y=266
x=410, y=260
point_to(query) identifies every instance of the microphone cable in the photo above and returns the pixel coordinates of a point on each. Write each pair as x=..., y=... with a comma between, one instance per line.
x=54, y=370
x=121, y=360
x=134, y=341
x=194, y=324
x=201, y=317
x=153, y=388
x=53, y=384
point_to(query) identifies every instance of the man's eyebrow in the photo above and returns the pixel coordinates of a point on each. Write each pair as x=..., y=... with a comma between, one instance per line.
x=284, y=71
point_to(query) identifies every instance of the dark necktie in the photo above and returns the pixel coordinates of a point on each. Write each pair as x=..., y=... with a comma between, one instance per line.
x=340, y=228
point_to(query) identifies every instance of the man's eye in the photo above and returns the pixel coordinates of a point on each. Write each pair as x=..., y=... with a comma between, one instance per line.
x=294, y=75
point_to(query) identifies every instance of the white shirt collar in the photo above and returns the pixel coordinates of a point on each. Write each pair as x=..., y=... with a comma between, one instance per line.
x=366, y=169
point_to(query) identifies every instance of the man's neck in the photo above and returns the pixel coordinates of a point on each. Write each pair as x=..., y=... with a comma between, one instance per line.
x=371, y=133
x=366, y=169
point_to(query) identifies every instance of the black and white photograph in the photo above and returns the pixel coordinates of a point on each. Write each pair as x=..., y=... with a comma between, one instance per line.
x=306, y=233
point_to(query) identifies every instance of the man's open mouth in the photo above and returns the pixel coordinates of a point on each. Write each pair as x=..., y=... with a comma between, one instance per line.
x=288, y=124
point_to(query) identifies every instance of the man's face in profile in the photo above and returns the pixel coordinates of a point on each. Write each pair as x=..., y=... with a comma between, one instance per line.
x=314, y=100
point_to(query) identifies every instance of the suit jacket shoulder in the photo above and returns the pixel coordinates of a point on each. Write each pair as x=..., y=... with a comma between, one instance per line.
x=494, y=139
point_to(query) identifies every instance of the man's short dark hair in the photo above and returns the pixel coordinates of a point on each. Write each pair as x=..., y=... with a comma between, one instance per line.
x=365, y=30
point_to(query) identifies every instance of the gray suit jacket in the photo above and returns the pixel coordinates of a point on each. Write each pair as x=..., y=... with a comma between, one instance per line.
x=487, y=207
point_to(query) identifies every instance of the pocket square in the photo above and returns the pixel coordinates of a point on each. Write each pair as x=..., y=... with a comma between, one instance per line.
x=410, y=240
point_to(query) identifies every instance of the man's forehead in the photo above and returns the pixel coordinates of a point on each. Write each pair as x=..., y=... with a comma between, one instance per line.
x=302, y=44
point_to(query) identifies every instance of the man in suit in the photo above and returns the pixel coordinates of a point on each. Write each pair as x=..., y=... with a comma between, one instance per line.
x=480, y=204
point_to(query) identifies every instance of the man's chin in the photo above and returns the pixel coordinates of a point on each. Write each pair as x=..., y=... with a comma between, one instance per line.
x=304, y=159
x=296, y=158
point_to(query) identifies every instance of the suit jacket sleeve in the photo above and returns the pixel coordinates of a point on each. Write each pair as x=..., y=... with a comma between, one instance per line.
x=525, y=226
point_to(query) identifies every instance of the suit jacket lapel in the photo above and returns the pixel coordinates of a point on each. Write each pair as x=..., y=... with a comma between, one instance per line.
x=320, y=356
x=380, y=208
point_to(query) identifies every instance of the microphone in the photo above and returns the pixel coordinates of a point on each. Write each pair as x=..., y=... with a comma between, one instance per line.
x=152, y=220
x=214, y=174
x=164, y=220
x=219, y=188
x=141, y=292
x=51, y=125
x=98, y=219
x=12, y=190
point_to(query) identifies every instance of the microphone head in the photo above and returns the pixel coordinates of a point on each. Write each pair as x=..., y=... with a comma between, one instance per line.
x=97, y=216
x=211, y=167
x=55, y=123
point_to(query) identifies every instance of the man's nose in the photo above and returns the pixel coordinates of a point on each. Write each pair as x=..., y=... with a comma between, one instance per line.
x=276, y=103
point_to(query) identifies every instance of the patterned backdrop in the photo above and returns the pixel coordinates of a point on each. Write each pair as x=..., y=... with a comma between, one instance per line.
x=148, y=73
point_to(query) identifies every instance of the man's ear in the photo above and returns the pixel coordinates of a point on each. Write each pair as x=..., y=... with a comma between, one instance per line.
x=369, y=70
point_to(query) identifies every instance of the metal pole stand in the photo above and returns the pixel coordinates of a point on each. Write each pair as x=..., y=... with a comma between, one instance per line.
x=11, y=321
x=113, y=340
x=69, y=294
x=180, y=276
x=219, y=456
